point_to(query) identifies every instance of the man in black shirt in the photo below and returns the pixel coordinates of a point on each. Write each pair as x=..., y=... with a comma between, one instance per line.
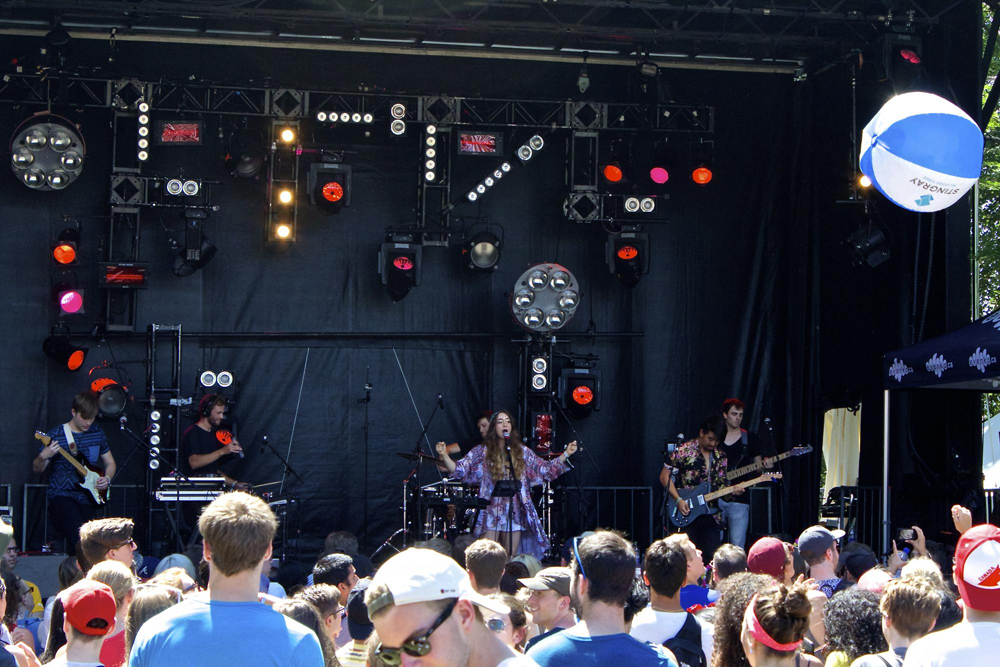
x=741, y=448
x=203, y=451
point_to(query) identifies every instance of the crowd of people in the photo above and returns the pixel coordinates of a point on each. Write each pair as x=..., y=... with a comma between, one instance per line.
x=812, y=602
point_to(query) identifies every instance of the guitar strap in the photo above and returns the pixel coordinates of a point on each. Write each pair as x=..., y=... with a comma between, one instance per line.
x=69, y=439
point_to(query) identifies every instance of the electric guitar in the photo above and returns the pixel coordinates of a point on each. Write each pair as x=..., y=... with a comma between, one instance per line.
x=698, y=498
x=89, y=472
x=798, y=451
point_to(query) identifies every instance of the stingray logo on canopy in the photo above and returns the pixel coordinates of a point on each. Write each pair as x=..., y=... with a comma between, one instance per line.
x=980, y=359
x=899, y=370
x=993, y=319
x=982, y=566
x=938, y=364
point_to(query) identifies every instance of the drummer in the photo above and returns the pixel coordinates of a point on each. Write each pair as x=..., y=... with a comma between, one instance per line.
x=482, y=425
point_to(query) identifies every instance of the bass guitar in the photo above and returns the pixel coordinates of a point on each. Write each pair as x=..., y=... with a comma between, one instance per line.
x=699, y=497
x=89, y=472
x=753, y=467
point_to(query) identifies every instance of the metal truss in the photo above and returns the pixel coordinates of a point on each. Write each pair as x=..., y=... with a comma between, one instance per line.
x=751, y=29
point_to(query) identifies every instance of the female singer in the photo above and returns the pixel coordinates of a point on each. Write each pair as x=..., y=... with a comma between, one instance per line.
x=511, y=518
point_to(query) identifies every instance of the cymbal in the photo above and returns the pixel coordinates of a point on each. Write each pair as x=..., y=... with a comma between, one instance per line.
x=425, y=458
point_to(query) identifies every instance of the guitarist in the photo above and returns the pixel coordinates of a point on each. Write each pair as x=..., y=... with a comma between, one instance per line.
x=741, y=448
x=70, y=506
x=692, y=463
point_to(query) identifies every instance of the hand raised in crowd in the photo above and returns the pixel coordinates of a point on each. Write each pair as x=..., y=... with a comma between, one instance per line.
x=920, y=544
x=896, y=560
x=962, y=518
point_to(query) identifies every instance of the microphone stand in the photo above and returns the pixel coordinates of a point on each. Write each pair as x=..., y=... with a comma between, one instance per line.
x=388, y=543
x=366, y=400
x=514, y=498
x=288, y=468
x=578, y=476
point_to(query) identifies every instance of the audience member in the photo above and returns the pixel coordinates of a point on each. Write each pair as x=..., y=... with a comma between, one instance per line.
x=666, y=567
x=513, y=572
x=69, y=573
x=549, y=602
x=8, y=563
x=423, y=605
x=308, y=615
x=238, y=530
x=603, y=568
x=818, y=547
x=177, y=577
x=147, y=601
x=530, y=562
x=737, y=591
x=692, y=593
x=857, y=564
x=174, y=561
x=910, y=607
x=638, y=599
x=462, y=542
x=485, y=561
x=850, y=549
x=346, y=542
x=853, y=623
x=875, y=580
x=950, y=615
x=728, y=559
x=106, y=539
x=925, y=567
x=774, y=626
x=769, y=555
x=326, y=599
x=438, y=544
x=359, y=626
x=974, y=642
x=337, y=570
x=119, y=579
x=18, y=603
x=90, y=618
x=512, y=627
x=56, y=635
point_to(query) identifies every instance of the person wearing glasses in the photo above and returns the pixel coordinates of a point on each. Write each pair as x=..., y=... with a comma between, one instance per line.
x=106, y=539
x=512, y=628
x=603, y=568
x=229, y=626
x=425, y=611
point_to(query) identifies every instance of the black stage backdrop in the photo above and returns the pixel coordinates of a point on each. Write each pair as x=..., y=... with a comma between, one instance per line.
x=749, y=293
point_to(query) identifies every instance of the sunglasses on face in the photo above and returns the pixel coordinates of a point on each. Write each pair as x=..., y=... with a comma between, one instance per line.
x=576, y=554
x=416, y=647
x=129, y=542
x=496, y=625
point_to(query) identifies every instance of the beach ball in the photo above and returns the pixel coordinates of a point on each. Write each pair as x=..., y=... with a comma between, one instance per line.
x=922, y=152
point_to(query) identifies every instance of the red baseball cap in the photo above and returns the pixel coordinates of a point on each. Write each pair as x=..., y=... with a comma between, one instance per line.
x=977, y=567
x=87, y=601
x=768, y=556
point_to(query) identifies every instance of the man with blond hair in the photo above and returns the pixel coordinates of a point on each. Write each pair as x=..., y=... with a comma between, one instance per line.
x=910, y=607
x=231, y=626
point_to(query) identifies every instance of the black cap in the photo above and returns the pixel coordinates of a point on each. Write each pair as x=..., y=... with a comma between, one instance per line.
x=859, y=563
x=358, y=624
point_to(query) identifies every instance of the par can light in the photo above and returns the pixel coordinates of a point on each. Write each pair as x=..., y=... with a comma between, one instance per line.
x=47, y=152
x=546, y=297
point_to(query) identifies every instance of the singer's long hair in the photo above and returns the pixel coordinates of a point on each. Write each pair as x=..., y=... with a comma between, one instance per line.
x=496, y=451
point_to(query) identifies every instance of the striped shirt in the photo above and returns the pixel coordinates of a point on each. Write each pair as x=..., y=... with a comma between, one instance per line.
x=353, y=654
x=64, y=480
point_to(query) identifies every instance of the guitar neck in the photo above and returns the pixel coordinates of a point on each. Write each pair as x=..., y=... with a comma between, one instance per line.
x=742, y=485
x=76, y=464
x=757, y=466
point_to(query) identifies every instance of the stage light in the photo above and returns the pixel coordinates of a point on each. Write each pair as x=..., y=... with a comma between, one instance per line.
x=154, y=428
x=64, y=251
x=430, y=141
x=111, y=397
x=429, y=176
x=546, y=297
x=144, y=143
x=143, y=156
x=283, y=231
x=497, y=174
x=68, y=296
x=143, y=107
x=355, y=117
x=47, y=152
x=60, y=350
x=285, y=196
x=536, y=142
x=701, y=175
x=329, y=186
x=430, y=153
x=864, y=181
x=505, y=167
x=539, y=382
x=397, y=127
x=613, y=173
x=155, y=415
x=143, y=119
x=400, y=266
x=368, y=118
x=287, y=135
x=659, y=175
x=398, y=111
x=472, y=196
x=539, y=364
x=321, y=116
x=224, y=378
x=524, y=153
x=632, y=204
x=431, y=129
x=626, y=254
x=174, y=186
x=207, y=379
x=647, y=204
x=701, y=161
x=198, y=250
x=143, y=131
x=480, y=255
x=580, y=391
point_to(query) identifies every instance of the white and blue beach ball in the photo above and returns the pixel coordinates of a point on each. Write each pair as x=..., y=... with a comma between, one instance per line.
x=922, y=152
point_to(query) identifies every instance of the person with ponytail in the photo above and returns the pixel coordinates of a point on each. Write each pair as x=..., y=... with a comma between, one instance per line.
x=505, y=470
x=774, y=624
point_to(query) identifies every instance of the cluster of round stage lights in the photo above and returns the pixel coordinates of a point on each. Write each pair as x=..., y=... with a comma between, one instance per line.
x=430, y=152
x=143, y=153
x=528, y=150
x=635, y=205
x=154, y=439
x=344, y=117
x=545, y=298
x=538, y=379
x=398, y=124
x=176, y=187
x=47, y=152
x=488, y=182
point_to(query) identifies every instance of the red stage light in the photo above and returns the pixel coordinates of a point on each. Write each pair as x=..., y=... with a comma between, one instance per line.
x=71, y=301
x=910, y=56
x=333, y=191
x=613, y=173
x=75, y=360
x=583, y=395
x=64, y=253
x=100, y=383
x=659, y=175
x=701, y=175
x=403, y=263
x=628, y=252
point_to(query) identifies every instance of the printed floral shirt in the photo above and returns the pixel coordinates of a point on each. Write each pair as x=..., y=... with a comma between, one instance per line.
x=688, y=464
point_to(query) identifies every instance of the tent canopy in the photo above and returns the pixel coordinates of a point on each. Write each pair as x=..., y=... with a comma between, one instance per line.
x=963, y=359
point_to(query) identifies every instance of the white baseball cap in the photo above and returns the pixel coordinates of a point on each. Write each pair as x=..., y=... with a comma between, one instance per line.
x=423, y=575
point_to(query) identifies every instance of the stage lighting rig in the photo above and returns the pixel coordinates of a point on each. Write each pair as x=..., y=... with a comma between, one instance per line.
x=488, y=182
x=580, y=390
x=329, y=185
x=530, y=147
x=480, y=254
x=545, y=298
x=198, y=250
x=398, y=124
x=47, y=152
x=399, y=264
x=627, y=254
x=60, y=350
x=64, y=250
x=702, y=154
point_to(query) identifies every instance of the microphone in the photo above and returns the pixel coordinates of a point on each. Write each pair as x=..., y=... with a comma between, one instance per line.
x=506, y=439
x=122, y=421
x=440, y=402
x=263, y=445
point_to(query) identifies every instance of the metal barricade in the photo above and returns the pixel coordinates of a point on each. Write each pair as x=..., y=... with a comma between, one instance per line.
x=857, y=510
x=625, y=508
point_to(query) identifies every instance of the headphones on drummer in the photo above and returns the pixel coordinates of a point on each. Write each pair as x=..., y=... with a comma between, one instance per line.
x=207, y=403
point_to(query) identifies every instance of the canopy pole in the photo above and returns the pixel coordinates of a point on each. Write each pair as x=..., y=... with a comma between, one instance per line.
x=885, y=473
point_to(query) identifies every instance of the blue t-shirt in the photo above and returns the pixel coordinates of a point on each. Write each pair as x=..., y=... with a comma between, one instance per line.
x=693, y=594
x=64, y=480
x=568, y=650
x=196, y=632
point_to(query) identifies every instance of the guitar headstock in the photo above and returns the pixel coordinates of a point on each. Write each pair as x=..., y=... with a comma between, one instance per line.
x=801, y=450
x=772, y=476
x=44, y=438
